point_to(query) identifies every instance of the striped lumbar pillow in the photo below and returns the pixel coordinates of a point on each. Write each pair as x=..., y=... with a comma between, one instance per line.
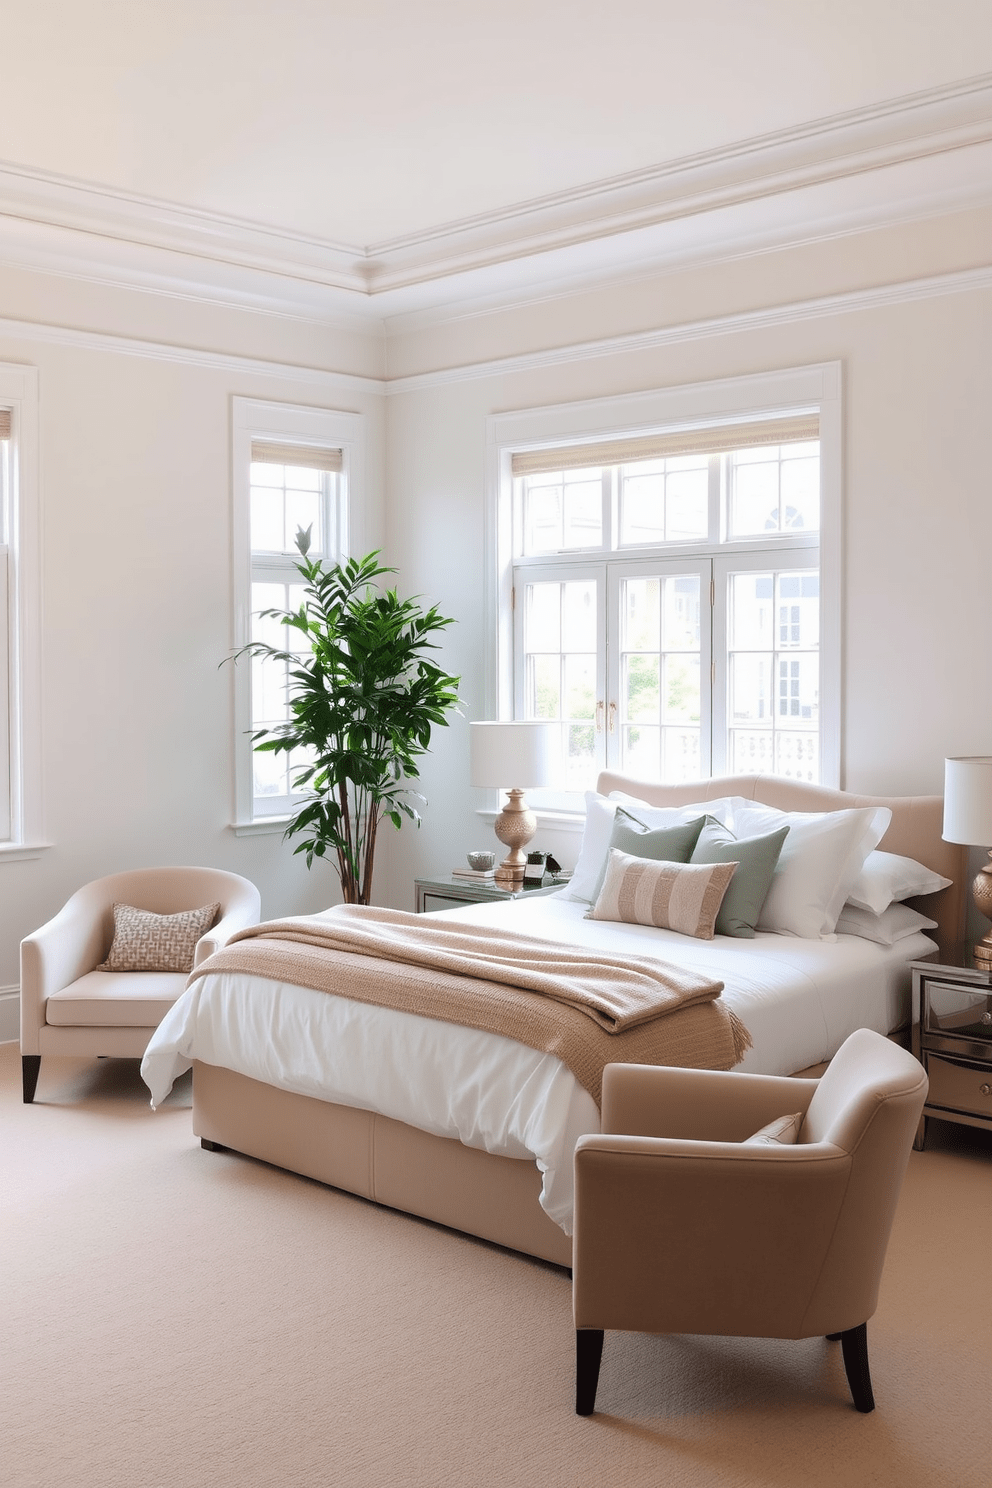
x=671, y=896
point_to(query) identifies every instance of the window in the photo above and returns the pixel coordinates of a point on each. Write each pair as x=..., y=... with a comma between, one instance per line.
x=664, y=592
x=20, y=673
x=293, y=468
x=291, y=488
x=6, y=632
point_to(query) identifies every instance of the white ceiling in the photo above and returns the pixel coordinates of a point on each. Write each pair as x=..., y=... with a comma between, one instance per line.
x=383, y=159
x=360, y=122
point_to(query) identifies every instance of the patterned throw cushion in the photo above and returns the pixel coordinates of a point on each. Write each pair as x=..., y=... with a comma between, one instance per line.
x=152, y=942
x=671, y=896
x=782, y=1132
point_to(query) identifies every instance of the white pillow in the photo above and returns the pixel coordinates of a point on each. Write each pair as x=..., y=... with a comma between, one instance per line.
x=595, y=844
x=721, y=807
x=886, y=878
x=819, y=862
x=600, y=812
x=893, y=924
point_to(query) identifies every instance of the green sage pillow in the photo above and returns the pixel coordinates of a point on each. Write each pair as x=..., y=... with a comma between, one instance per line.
x=661, y=844
x=757, y=857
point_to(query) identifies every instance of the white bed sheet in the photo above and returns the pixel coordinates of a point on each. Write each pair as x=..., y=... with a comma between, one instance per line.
x=799, y=999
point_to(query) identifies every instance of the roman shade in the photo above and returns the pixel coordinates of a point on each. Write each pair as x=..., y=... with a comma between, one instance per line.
x=309, y=456
x=794, y=429
x=4, y=423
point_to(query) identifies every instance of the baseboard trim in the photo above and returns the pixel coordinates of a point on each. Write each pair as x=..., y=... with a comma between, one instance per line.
x=10, y=1014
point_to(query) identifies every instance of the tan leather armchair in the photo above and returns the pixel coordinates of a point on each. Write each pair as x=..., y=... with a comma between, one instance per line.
x=68, y=1007
x=682, y=1228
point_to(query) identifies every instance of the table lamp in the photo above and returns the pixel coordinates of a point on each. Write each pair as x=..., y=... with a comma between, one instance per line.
x=968, y=819
x=527, y=754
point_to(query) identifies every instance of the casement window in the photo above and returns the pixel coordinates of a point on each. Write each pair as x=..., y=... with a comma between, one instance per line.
x=6, y=629
x=20, y=671
x=293, y=470
x=666, y=601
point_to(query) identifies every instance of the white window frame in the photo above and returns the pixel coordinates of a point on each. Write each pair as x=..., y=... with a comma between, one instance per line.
x=20, y=624
x=700, y=405
x=255, y=419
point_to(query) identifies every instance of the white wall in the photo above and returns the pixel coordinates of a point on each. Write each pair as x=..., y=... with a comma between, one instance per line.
x=136, y=608
x=917, y=503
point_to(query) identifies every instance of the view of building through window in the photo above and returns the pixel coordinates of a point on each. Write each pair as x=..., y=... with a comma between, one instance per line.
x=284, y=497
x=667, y=612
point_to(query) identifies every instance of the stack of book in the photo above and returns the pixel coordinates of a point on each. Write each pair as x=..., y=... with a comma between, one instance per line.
x=485, y=874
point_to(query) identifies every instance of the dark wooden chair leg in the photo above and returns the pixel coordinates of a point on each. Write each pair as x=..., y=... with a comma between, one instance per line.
x=30, y=1067
x=834, y=1337
x=209, y=1146
x=588, y=1353
x=854, y=1342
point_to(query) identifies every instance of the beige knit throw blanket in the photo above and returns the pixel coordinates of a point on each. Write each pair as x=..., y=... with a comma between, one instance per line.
x=587, y=1009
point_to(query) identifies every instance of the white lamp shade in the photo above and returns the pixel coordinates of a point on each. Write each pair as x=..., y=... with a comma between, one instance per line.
x=517, y=756
x=968, y=800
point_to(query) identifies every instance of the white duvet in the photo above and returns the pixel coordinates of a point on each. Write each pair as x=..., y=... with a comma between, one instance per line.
x=799, y=1000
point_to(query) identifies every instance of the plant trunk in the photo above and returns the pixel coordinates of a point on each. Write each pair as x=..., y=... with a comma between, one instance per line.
x=373, y=825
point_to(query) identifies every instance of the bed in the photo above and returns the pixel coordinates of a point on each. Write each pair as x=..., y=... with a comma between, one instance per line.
x=435, y=1121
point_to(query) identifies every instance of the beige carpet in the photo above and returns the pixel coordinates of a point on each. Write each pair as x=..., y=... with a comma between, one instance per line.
x=175, y=1317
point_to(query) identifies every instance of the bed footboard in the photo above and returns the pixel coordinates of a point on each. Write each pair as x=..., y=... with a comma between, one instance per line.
x=495, y=1198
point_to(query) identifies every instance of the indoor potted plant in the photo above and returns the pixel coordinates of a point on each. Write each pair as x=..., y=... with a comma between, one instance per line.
x=363, y=703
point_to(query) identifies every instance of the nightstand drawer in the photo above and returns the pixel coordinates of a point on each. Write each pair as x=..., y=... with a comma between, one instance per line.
x=960, y=1087
x=433, y=902
x=958, y=1012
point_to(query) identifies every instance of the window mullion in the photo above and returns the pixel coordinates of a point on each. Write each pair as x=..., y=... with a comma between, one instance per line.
x=717, y=504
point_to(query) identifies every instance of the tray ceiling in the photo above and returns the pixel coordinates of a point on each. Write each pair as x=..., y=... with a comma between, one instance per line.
x=369, y=145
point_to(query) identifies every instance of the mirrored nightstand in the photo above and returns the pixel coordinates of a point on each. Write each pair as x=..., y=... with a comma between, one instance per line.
x=952, y=1036
x=455, y=893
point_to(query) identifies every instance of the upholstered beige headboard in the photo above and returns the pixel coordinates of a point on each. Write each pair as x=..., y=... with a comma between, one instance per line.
x=914, y=830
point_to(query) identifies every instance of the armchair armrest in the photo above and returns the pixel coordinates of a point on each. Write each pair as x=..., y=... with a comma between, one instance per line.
x=698, y=1237
x=65, y=948
x=238, y=916
x=706, y=1105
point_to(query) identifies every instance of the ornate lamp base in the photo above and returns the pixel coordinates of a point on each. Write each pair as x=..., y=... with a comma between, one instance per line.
x=515, y=826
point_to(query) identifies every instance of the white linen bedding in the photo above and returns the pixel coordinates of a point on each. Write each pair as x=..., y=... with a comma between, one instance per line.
x=799, y=999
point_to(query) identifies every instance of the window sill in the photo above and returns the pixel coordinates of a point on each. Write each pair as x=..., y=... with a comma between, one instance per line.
x=563, y=821
x=262, y=826
x=19, y=852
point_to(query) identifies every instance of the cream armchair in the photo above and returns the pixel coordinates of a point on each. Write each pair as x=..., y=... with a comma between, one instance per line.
x=683, y=1227
x=68, y=1007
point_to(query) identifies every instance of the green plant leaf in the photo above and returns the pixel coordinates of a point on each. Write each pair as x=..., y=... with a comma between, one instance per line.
x=363, y=703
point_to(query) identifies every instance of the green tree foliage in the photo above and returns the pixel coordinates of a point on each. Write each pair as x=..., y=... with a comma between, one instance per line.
x=363, y=705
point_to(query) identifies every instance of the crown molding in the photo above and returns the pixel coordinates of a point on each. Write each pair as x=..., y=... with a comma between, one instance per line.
x=893, y=133
x=866, y=167
x=850, y=302
x=102, y=259
x=159, y=351
x=104, y=212
x=331, y=383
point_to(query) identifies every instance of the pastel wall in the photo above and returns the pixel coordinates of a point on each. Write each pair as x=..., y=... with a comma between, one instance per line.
x=136, y=508
x=917, y=506
x=136, y=522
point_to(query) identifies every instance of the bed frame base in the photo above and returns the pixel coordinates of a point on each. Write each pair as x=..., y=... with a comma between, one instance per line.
x=494, y=1198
